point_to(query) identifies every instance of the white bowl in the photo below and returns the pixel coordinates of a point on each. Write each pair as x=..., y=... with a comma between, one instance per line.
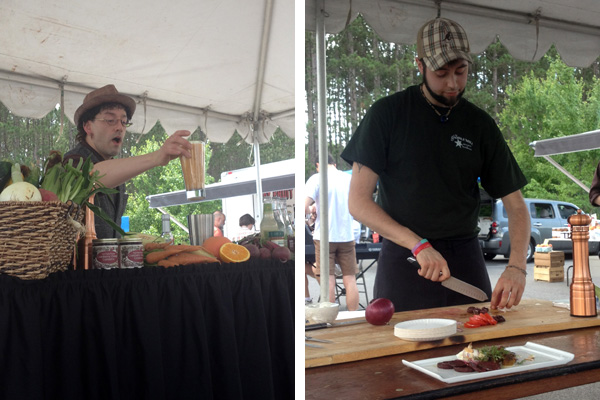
x=421, y=330
x=321, y=312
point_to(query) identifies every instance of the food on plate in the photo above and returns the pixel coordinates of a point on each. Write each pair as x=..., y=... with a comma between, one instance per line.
x=379, y=311
x=481, y=317
x=487, y=358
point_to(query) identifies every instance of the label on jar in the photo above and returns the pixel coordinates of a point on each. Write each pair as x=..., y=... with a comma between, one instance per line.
x=105, y=254
x=277, y=237
x=131, y=253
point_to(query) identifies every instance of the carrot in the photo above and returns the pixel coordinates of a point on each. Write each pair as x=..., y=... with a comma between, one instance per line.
x=155, y=256
x=185, y=259
x=155, y=246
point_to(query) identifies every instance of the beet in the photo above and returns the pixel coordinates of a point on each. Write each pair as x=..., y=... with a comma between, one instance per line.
x=265, y=253
x=281, y=253
x=253, y=249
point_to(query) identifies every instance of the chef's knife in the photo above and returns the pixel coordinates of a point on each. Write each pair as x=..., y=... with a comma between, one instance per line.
x=459, y=286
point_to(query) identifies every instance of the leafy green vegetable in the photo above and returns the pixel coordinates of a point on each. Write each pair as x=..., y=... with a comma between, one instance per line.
x=493, y=353
x=76, y=183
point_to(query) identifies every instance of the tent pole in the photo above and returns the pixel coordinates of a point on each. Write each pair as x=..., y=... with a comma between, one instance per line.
x=322, y=135
x=567, y=173
x=258, y=206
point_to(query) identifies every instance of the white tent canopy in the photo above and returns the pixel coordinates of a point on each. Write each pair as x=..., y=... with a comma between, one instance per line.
x=220, y=65
x=527, y=28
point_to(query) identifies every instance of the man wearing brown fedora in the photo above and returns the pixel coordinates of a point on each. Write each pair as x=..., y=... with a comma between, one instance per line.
x=101, y=121
x=425, y=148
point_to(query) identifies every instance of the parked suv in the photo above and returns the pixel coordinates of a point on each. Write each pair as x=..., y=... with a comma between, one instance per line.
x=545, y=215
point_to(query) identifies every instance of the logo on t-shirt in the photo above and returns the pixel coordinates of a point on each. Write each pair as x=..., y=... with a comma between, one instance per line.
x=462, y=143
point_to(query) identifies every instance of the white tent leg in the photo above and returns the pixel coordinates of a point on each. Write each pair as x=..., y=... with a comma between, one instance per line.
x=258, y=205
x=322, y=135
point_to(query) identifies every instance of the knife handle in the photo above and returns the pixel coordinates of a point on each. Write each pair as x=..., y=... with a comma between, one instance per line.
x=311, y=327
x=413, y=261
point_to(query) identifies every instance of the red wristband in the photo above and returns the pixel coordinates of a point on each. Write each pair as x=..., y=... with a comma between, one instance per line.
x=420, y=248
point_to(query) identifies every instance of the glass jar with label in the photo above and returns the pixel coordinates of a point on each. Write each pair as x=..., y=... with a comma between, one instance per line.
x=131, y=253
x=269, y=228
x=105, y=254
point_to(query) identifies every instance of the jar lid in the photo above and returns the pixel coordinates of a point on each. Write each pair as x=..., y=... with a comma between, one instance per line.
x=105, y=241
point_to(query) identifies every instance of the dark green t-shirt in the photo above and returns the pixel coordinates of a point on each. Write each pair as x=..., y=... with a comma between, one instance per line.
x=428, y=170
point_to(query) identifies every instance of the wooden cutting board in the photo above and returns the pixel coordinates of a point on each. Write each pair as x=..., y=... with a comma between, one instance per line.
x=364, y=341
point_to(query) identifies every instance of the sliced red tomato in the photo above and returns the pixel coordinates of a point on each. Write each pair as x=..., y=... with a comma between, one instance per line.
x=470, y=325
x=479, y=318
x=490, y=319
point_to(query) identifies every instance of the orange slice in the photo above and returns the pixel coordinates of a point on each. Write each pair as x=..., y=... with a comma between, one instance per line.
x=233, y=253
x=213, y=244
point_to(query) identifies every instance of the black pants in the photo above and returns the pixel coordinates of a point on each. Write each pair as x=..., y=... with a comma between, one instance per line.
x=398, y=280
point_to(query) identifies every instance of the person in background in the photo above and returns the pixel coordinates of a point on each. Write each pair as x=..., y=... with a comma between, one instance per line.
x=101, y=121
x=219, y=223
x=341, y=235
x=427, y=146
x=594, y=194
x=246, y=226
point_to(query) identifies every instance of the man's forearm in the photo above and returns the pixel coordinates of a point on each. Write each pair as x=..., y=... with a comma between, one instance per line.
x=519, y=230
x=120, y=170
x=372, y=215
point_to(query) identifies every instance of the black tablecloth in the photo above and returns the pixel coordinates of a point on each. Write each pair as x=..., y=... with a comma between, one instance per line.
x=192, y=332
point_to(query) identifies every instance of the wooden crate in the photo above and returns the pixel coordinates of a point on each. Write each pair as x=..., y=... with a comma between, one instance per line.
x=551, y=259
x=548, y=274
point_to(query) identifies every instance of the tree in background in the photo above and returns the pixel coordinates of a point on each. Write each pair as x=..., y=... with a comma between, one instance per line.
x=529, y=100
x=556, y=104
x=28, y=141
x=162, y=180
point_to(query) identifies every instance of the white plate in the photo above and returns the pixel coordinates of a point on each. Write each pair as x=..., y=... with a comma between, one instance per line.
x=544, y=357
x=421, y=330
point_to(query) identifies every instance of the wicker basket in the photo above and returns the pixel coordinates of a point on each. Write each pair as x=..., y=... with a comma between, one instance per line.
x=37, y=238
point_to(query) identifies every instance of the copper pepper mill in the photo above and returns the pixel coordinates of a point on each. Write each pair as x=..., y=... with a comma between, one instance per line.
x=583, y=297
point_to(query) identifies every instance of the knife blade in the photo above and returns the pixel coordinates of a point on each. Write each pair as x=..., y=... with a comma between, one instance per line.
x=459, y=286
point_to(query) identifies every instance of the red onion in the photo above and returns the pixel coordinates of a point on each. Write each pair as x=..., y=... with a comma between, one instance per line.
x=379, y=311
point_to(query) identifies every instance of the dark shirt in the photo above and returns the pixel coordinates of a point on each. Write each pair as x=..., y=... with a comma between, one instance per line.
x=428, y=170
x=112, y=204
x=595, y=189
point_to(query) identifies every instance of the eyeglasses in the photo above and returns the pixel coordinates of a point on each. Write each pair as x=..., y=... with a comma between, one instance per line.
x=113, y=122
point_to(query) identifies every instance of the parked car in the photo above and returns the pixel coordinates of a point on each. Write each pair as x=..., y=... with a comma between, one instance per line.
x=544, y=214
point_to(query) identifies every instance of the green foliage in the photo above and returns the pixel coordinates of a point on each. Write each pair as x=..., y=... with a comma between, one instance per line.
x=161, y=180
x=548, y=106
x=29, y=142
x=529, y=100
x=237, y=153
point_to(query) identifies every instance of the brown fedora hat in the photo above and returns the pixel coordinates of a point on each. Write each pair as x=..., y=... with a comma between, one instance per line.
x=106, y=94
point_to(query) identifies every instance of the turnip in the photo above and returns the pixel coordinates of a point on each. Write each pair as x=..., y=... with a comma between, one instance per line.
x=19, y=190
